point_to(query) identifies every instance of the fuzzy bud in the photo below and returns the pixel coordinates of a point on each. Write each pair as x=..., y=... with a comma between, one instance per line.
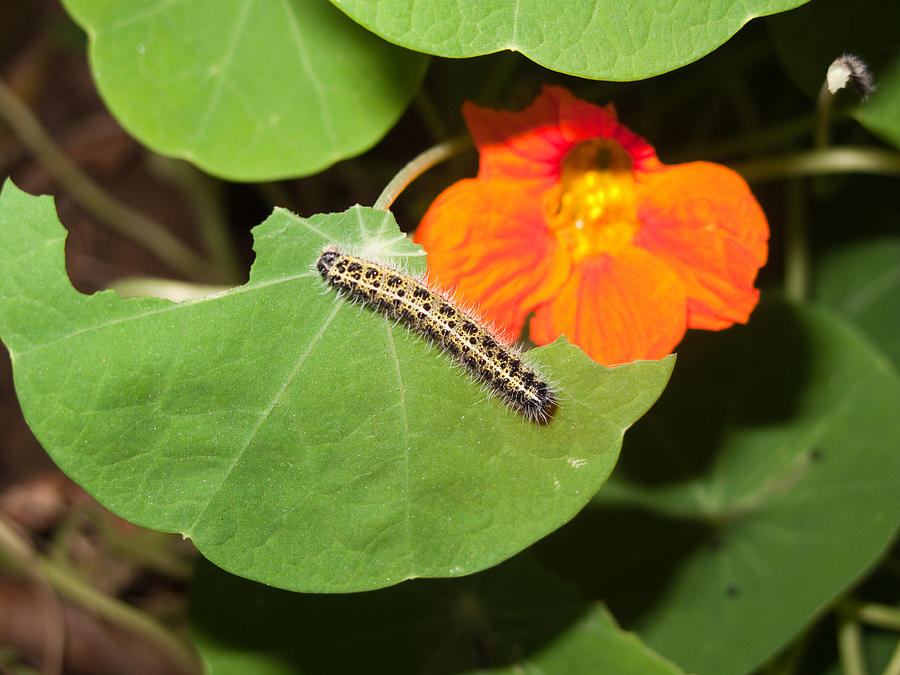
x=850, y=69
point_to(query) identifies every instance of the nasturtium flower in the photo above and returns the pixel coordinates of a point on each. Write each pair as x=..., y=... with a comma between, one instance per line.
x=573, y=219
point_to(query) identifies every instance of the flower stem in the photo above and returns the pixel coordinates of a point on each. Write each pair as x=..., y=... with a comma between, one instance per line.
x=117, y=216
x=822, y=125
x=846, y=159
x=419, y=165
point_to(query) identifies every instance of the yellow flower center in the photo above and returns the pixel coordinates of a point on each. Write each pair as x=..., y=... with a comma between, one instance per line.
x=593, y=208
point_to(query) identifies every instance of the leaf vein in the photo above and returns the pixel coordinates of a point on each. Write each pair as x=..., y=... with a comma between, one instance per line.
x=264, y=415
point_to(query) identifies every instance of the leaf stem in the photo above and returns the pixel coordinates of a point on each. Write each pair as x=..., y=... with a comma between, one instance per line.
x=850, y=645
x=796, y=249
x=419, y=165
x=116, y=215
x=55, y=636
x=845, y=159
x=882, y=616
x=20, y=552
x=167, y=289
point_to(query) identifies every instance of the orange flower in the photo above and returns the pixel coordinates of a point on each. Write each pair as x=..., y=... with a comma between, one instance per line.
x=573, y=217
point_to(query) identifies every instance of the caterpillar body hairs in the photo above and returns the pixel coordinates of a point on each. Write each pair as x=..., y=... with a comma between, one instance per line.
x=432, y=315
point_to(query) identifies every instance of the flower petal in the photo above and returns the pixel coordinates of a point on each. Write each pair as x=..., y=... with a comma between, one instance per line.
x=487, y=241
x=702, y=220
x=700, y=240
x=617, y=309
x=532, y=143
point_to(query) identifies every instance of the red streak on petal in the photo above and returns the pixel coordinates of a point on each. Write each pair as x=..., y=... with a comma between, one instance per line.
x=702, y=220
x=487, y=241
x=574, y=218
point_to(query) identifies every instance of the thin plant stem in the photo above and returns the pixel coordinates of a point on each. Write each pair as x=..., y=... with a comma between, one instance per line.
x=882, y=616
x=850, y=646
x=206, y=198
x=796, y=253
x=61, y=579
x=16, y=550
x=150, y=550
x=419, y=165
x=845, y=159
x=167, y=289
x=91, y=197
x=822, y=125
x=836, y=160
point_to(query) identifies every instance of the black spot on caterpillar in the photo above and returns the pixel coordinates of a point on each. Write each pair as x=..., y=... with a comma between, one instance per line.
x=432, y=315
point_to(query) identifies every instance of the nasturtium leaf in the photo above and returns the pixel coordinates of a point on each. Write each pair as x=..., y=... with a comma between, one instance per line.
x=861, y=281
x=809, y=39
x=761, y=486
x=246, y=90
x=599, y=39
x=297, y=438
x=515, y=618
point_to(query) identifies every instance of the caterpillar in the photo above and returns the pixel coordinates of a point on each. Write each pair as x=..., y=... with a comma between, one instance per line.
x=434, y=316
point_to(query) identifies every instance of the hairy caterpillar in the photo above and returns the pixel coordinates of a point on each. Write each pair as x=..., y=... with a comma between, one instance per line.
x=435, y=317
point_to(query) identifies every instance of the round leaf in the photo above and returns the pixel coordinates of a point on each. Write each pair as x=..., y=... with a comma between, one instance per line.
x=515, y=618
x=246, y=90
x=298, y=439
x=599, y=39
x=862, y=281
x=760, y=488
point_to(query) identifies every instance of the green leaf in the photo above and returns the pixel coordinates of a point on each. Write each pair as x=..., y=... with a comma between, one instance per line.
x=515, y=618
x=759, y=489
x=862, y=282
x=809, y=39
x=298, y=439
x=246, y=90
x=599, y=39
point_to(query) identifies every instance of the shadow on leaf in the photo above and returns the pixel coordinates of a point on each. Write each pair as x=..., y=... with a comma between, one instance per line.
x=746, y=377
x=623, y=555
x=485, y=620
